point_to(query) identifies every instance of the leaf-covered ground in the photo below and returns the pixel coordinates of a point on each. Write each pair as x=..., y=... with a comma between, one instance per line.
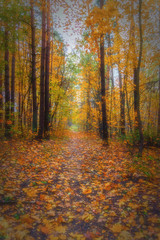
x=78, y=188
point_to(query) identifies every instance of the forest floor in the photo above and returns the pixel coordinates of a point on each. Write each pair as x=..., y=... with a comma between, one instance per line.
x=78, y=189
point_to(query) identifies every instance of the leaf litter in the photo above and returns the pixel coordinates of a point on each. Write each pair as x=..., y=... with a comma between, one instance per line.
x=77, y=189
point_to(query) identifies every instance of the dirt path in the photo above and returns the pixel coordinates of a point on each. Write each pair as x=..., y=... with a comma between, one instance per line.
x=74, y=189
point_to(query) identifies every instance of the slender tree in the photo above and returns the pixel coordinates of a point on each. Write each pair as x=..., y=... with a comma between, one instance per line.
x=1, y=101
x=103, y=93
x=136, y=80
x=13, y=87
x=158, y=129
x=7, y=92
x=42, y=77
x=33, y=67
x=122, y=105
x=46, y=120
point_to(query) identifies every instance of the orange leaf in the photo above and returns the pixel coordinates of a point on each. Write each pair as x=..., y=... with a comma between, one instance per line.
x=87, y=191
x=107, y=186
x=60, y=219
x=42, y=197
x=44, y=229
x=9, y=122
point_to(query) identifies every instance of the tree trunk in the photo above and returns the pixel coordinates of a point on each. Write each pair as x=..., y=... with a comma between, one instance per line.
x=13, y=87
x=7, y=93
x=127, y=102
x=136, y=80
x=88, y=122
x=33, y=76
x=1, y=101
x=158, y=129
x=46, y=123
x=122, y=106
x=42, y=89
x=103, y=100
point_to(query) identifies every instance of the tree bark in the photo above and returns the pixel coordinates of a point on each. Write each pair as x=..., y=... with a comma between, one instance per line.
x=122, y=106
x=88, y=120
x=13, y=87
x=42, y=85
x=46, y=120
x=158, y=129
x=103, y=100
x=33, y=75
x=7, y=92
x=136, y=75
x=1, y=101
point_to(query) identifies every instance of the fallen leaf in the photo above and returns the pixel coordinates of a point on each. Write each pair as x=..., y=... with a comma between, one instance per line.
x=117, y=228
x=87, y=191
x=125, y=235
x=60, y=229
x=44, y=229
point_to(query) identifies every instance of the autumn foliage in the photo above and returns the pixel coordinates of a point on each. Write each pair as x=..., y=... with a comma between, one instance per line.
x=79, y=119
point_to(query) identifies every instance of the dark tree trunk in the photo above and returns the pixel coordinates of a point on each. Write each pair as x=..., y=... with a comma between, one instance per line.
x=136, y=81
x=103, y=100
x=46, y=123
x=19, y=104
x=122, y=106
x=1, y=101
x=127, y=102
x=158, y=130
x=33, y=76
x=7, y=93
x=42, y=86
x=13, y=87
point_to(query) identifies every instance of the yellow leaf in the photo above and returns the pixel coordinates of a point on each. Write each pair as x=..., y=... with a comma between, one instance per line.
x=20, y=235
x=51, y=213
x=30, y=192
x=87, y=217
x=139, y=235
x=76, y=236
x=53, y=237
x=117, y=228
x=124, y=235
x=3, y=223
x=133, y=205
x=60, y=229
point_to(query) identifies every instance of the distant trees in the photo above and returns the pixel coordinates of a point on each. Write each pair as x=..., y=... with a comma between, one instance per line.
x=28, y=77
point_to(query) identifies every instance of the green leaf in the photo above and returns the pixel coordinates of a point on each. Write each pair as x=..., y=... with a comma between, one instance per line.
x=17, y=216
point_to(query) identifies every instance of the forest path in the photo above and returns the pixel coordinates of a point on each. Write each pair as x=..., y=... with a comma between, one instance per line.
x=75, y=189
